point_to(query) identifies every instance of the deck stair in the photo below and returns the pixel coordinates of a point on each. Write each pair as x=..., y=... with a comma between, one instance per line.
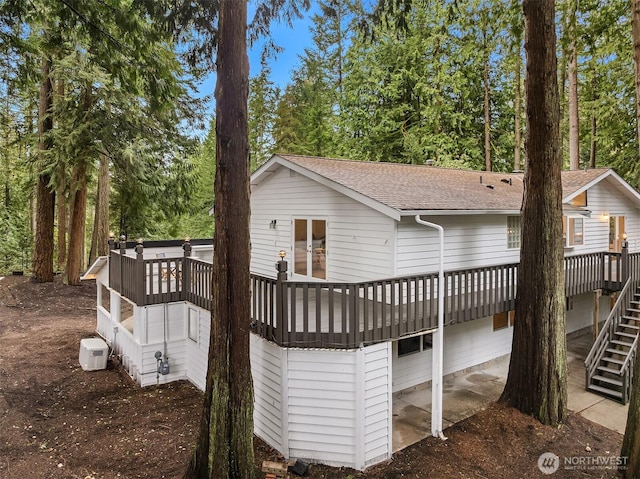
x=609, y=365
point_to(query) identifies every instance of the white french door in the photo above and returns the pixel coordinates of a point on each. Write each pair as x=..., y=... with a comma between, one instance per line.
x=310, y=248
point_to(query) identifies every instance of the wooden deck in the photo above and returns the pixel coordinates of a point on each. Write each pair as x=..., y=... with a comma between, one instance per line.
x=326, y=314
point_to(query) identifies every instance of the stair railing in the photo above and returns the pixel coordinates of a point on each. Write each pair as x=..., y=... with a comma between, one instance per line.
x=599, y=347
x=626, y=372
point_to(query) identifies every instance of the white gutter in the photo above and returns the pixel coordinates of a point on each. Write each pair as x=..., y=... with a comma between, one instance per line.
x=438, y=342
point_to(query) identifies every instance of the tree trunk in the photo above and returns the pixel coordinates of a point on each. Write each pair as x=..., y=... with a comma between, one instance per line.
x=46, y=197
x=631, y=442
x=100, y=235
x=225, y=444
x=62, y=220
x=593, y=150
x=635, y=32
x=518, y=115
x=76, y=228
x=487, y=108
x=574, y=126
x=61, y=203
x=536, y=383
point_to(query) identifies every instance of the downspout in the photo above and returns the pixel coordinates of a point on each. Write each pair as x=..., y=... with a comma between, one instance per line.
x=438, y=342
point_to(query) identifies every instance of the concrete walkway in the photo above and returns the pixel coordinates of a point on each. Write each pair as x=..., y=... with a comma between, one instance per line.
x=464, y=394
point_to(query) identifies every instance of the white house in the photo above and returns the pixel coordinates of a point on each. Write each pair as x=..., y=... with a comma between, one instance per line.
x=355, y=316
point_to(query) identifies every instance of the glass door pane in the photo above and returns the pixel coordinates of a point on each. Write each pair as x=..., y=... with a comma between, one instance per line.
x=319, y=249
x=300, y=247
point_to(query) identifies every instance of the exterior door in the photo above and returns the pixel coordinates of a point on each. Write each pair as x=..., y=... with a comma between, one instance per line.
x=616, y=231
x=310, y=248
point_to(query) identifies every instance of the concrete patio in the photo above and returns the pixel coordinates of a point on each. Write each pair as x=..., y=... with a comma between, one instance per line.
x=464, y=394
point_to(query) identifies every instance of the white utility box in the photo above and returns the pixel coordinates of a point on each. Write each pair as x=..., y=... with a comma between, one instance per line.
x=93, y=354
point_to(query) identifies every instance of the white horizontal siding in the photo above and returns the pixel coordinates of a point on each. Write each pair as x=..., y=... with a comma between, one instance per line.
x=177, y=354
x=606, y=198
x=198, y=351
x=377, y=403
x=359, y=239
x=465, y=345
x=474, y=342
x=322, y=406
x=581, y=316
x=411, y=369
x=470, y=241
x=268, y=411
x=162, y=322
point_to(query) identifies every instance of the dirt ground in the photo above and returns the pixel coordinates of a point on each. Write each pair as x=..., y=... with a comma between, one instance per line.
x=58, y=421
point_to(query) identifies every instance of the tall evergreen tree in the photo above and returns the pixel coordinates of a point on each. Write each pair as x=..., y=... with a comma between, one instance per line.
x=536, y=382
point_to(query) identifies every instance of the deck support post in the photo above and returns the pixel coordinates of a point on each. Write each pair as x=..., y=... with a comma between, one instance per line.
x=596, y=312
x=624, y=258
x=184, y=276
x=141, y=279
x=282, y=323
x=438, y=341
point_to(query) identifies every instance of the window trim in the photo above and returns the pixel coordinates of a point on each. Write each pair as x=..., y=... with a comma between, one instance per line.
x=420, y=341
x=514, y=238
x=193, y=320
x=568, y=235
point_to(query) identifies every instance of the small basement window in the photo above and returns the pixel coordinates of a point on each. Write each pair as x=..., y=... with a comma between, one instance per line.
x=501, y=320
x=415, y=344
x=408, y=345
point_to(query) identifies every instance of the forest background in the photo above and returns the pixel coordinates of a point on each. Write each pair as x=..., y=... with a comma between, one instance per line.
x=117, y=147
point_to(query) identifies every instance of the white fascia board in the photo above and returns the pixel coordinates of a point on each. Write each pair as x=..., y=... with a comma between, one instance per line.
x=459, y=212
x=622, y=184
x=95, y=268
x=584, y=188
x=266, y=169
x=348, y=192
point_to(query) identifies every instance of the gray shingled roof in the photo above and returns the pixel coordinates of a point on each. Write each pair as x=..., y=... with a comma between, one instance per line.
x=412, y=188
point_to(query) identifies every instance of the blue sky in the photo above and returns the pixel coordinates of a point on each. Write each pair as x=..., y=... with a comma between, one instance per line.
x=292, y=39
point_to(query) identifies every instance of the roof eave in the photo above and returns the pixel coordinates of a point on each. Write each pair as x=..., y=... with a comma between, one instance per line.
x=260, y=174
x=460, y=212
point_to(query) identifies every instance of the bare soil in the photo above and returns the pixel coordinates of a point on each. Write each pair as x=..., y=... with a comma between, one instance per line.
x=58, y=421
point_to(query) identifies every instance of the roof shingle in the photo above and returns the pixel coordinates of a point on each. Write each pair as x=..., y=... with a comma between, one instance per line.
x=411, y=187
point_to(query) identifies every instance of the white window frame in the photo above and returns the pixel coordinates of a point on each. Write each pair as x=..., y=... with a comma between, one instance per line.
x=193, y=328
x=316, y=256
x=514, y=232
x=570, y=222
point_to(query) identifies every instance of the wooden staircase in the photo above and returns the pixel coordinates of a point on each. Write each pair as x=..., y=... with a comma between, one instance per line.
x=609, y=365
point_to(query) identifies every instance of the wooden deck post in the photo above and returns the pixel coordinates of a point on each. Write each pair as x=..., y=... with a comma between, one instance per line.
x=596, y=312
x=282, y=323
x=140, y=277
x=184, y=276
x=624, y=258
x=123, y=252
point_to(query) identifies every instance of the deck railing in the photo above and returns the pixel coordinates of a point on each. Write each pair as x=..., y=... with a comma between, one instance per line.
x=348, y=314
x=629, y=268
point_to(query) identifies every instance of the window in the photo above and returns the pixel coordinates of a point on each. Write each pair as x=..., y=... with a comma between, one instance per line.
x=415, y=344
x=580, y=200
x=572, y=231
x=513, y=232
x=409, y=345
x=500, y=321
x=193, y=325
x=503, y=320
x=310, y=248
